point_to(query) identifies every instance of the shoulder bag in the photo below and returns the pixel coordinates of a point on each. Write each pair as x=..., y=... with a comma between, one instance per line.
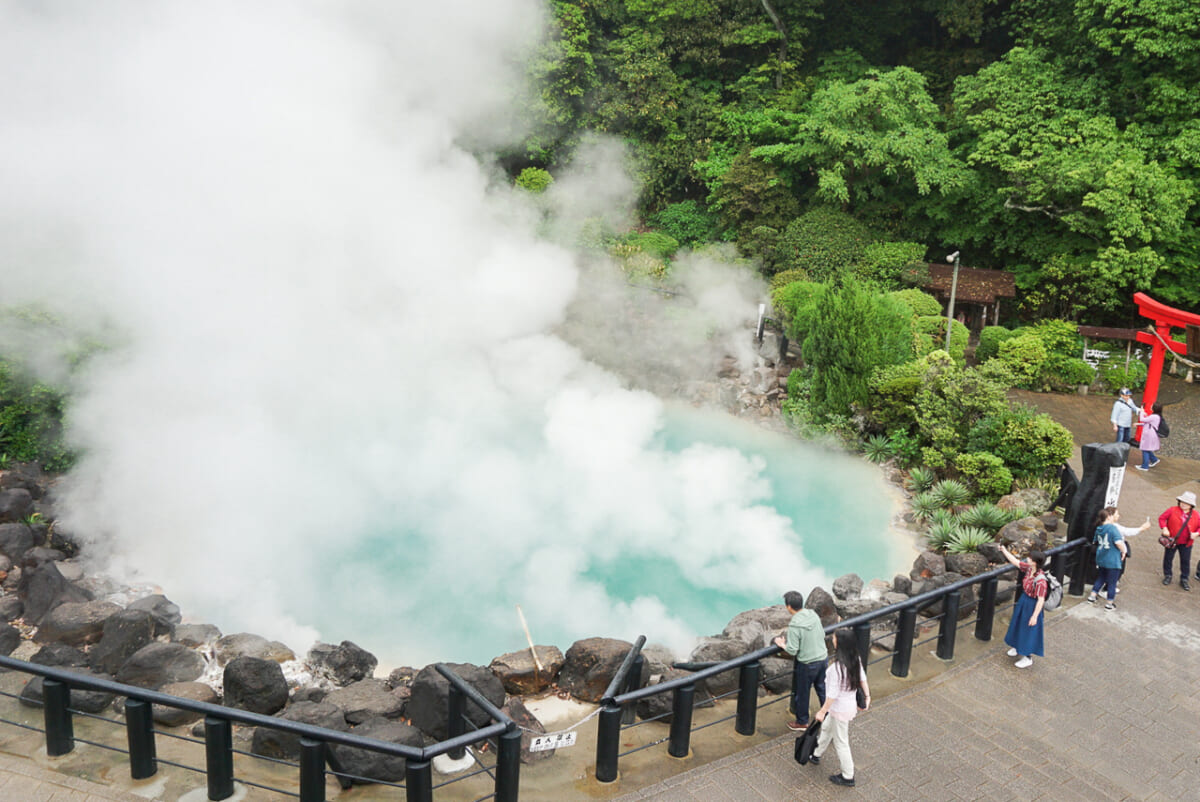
x=1168, y=542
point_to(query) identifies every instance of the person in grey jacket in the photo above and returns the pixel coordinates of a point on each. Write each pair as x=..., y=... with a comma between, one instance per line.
x=805, y=642
x=1122, y=415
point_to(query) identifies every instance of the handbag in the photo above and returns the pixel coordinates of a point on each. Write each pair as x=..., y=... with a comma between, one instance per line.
x=807, y=742
x=1168, y=542
x=860, y=698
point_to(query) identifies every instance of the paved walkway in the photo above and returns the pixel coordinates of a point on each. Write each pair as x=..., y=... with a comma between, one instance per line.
x=1111, y=713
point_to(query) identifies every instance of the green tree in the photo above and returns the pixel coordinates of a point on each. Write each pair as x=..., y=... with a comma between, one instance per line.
x=843, y=359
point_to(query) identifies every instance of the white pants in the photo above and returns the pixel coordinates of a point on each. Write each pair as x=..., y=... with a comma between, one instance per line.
x=838, y=731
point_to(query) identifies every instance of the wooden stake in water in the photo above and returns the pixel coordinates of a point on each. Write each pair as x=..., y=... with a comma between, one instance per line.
x=537, y=663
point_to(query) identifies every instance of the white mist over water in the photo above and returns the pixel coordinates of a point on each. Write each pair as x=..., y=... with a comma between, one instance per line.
x=335, y=389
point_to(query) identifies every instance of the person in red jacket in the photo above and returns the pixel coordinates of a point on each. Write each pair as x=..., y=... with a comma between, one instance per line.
x=1180, y=524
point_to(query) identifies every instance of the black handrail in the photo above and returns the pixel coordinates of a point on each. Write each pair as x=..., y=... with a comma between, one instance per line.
x=60, y=737
x=683, y=688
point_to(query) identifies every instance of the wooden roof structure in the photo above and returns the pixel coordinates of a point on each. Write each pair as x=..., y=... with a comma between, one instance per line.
x=975, y=285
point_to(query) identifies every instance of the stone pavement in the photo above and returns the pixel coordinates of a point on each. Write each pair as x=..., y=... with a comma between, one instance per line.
x=1111, y=713
x=22, y=780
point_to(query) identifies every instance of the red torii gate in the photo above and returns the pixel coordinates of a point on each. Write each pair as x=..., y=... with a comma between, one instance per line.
x=1165, y=318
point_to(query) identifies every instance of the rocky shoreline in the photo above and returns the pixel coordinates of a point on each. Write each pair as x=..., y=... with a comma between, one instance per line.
x=55, y=614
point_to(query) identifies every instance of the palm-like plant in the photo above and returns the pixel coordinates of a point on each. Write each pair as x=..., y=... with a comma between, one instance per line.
x=968, y=540
x=950, y=493
x=924, y=505
x=921, y=479
x=986, y=516
x=941, y=534
x=878, y=448
x=941, y=516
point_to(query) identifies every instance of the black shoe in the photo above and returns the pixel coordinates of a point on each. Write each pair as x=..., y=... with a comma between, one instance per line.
x=816, y=761
x=1183, y=583
x=838, y=779
x=1166, y=580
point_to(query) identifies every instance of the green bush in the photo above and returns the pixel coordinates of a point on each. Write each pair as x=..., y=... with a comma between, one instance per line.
x=986, y=516
x=893, y=390
x=654, y=243
x=1032, y=444
x=989, y=342
x=889, y=263
x=1024, y=355
x=31, y=420
x=786, y=277
x=906, y=448
x=1066, y=373
x=796, y=305
x=1059, y=336
x=825, y=242
x=877, y=448
x=534, y=179
x=1115, y=375
x=986, y=472
x=934, y=327
x=687, y=221
x=920, y=302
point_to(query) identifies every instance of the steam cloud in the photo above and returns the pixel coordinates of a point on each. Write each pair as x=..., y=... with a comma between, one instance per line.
x=345, y=397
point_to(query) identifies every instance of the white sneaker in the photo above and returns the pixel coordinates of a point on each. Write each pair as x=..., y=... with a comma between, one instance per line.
x=1024, y=662
x=1012, y=652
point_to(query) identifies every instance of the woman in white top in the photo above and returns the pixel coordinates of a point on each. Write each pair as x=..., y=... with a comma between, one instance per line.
x=844, y=677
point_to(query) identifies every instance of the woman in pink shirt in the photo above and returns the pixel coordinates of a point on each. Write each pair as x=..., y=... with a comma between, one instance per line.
x=1148, y=442
x=844, y=678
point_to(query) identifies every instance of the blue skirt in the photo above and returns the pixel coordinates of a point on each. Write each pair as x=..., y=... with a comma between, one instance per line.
x=1025, y=639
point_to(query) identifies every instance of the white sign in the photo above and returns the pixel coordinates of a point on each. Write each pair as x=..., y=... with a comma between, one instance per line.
x=1094, y=356
x=1115, y=477
x=543, y=743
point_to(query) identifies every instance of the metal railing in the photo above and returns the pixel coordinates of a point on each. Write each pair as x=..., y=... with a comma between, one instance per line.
x=318, y=761
x=617, y=708
x=315, y=742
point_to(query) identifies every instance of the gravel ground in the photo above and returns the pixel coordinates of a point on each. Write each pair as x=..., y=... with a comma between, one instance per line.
x=1181, y=408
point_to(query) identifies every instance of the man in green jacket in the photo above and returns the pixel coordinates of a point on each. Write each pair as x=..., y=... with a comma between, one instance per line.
x=806, y=643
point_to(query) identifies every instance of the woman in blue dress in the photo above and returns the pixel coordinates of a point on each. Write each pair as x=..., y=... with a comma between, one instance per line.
x=1025, y=630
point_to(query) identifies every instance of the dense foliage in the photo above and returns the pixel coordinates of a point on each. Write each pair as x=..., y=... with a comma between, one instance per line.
x=1057, y=139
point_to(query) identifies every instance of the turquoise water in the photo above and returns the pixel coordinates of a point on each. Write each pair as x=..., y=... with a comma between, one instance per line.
x=403, y=586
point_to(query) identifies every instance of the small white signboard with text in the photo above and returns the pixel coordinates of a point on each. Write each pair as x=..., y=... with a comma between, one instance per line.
x=558, y=740
x=1113, y=493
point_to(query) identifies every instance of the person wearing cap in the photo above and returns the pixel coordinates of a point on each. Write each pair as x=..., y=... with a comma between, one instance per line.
x=1122, y=415
x=1180, y=524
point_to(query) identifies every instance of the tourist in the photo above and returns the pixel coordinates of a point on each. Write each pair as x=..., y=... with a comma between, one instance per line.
x=1025, y=630
x=805, y=642
x=1179, y=526
x=844, y=678
x=1149, y=441
x=1122, y=415
x=1110, y=553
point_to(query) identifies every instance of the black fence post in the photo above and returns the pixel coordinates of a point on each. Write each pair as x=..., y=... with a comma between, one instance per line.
x=312, y=770
x=948, y=631
x=904, y=642
x=747, y=701
x=508, y=766
x=139, y=731
x=633, y=681
x=608, y=742
x=56, y=711
x=456, y=723
x=218, y=753
x=681, y=721
x=862, y=639
x=987, y=608
x=418, y=781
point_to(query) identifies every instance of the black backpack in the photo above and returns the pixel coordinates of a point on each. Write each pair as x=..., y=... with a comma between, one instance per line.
x=1164, y=429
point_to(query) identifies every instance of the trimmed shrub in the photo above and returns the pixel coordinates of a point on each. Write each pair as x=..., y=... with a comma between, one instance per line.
x=796, y=304
x=1024, y=355
x=934, y=327
x=825, y=242
x=920, y=302
x=655, y=243
x=1115, y=375
x=534, y=179
x=986, y=472
x=786, y=277
x=1059, y=336
x=989, y=342
x=1066, y=373
x=890, y=263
